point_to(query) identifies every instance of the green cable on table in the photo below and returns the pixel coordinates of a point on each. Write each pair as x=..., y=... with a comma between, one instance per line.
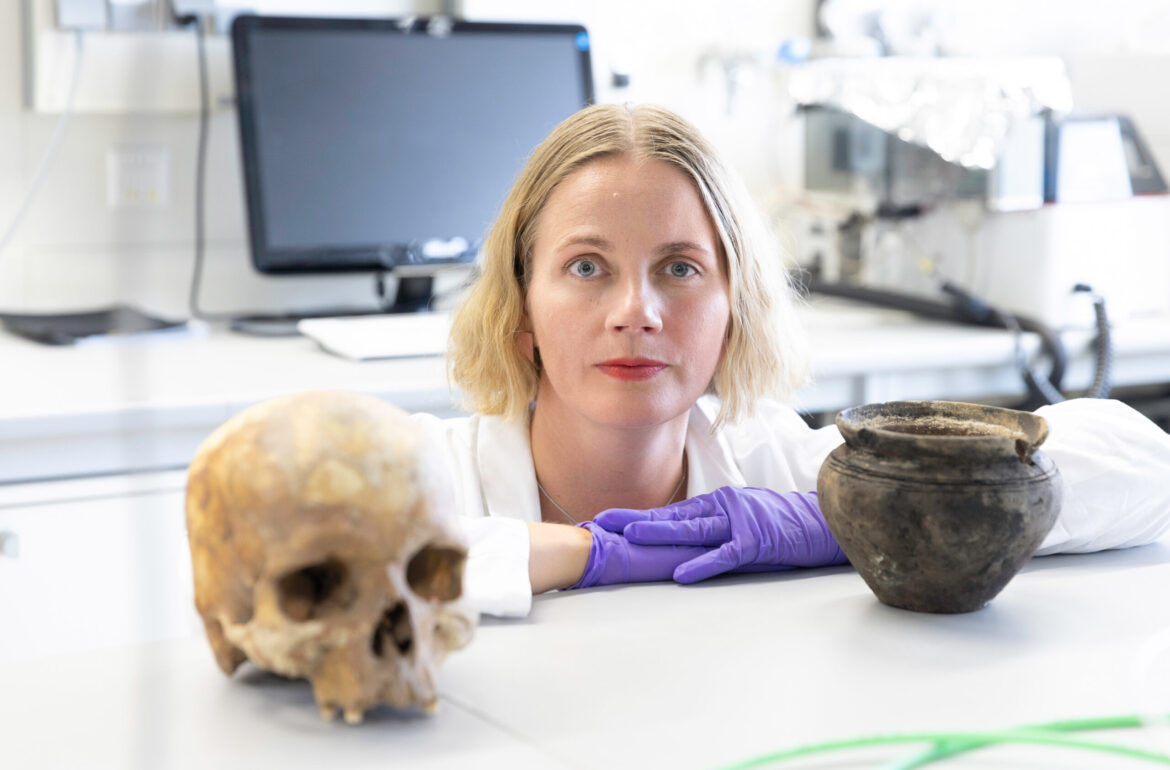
x=943, y=750
x=949, y=744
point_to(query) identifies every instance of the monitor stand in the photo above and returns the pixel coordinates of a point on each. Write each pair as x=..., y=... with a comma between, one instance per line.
x=413, y=296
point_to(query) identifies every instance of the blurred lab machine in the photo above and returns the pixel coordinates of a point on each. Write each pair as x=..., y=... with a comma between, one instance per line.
x=929, y=175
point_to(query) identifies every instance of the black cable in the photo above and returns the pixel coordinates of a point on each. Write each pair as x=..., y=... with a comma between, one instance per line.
x=1103, y=374
x=201, y=176
x=274, y=325
x=917, y=305
x=193, y=308
x=1041, y=391
x=966, y=308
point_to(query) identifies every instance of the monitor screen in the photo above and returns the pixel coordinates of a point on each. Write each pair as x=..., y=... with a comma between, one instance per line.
x=382, y=144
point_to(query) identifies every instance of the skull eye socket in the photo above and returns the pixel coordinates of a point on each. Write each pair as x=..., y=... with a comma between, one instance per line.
x=315, y=591
x=436, y=572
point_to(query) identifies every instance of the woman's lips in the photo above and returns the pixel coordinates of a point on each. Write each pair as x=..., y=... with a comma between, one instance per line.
x=631, y=369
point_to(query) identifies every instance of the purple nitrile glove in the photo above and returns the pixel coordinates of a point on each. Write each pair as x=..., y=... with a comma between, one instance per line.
x=743, y=529
x=613, y=559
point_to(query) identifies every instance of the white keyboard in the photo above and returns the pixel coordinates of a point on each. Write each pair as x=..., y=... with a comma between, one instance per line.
x=365, y=338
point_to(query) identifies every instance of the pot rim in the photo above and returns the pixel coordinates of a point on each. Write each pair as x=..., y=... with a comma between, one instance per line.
x=863, y=427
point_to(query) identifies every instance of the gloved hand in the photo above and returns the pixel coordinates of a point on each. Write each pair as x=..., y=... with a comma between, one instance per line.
x=613, y=559
x=743, y=529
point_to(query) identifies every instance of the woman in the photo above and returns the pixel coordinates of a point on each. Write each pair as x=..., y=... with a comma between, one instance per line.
x=630, y=321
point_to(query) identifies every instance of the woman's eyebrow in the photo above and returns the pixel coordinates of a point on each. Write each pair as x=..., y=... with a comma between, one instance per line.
x=596, y=241
x=676, y=246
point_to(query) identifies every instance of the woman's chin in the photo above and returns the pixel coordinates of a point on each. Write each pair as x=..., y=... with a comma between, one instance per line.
x=632, y=416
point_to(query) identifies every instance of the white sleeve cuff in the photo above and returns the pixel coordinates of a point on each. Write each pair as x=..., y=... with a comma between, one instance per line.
x=495, y=579
x=1114, y=464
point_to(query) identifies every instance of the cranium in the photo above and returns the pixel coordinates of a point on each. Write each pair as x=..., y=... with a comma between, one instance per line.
x=319, y=550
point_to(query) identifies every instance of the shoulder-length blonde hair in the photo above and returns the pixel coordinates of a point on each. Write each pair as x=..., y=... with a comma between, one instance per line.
x=765, y=345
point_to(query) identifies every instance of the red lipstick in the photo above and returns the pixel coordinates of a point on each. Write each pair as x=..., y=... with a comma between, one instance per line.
x=631, y=369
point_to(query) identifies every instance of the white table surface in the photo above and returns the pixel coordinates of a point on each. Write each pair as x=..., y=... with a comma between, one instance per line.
x=637, y=676
x=146, y=403
x=645, y=676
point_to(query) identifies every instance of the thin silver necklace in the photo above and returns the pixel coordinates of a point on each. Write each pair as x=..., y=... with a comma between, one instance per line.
x=566, y=514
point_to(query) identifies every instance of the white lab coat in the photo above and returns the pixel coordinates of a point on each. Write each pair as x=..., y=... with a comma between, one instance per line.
x=1114, y=464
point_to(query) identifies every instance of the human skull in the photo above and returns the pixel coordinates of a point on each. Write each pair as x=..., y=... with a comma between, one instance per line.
x=319, y=550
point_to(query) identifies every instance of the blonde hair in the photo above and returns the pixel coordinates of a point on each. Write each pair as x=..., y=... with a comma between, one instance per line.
x=765, y=344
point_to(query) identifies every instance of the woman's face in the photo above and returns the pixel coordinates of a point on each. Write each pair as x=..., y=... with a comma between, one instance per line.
x=628, y=295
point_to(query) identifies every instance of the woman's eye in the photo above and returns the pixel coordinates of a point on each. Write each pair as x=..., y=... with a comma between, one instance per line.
x=681, y=270
x=583, y=268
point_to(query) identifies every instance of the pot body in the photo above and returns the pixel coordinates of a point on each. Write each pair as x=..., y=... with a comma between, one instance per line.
x=938, y=504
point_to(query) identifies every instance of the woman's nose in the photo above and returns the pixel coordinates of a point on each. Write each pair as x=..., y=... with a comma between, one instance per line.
x=635, y=308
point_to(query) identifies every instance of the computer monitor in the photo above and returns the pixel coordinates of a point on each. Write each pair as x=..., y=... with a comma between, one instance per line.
x=390, y=144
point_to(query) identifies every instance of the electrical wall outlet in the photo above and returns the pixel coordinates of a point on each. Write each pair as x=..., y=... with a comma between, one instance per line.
x=138, y=177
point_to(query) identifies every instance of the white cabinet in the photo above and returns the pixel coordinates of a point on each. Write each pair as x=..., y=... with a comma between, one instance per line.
x=96, y=563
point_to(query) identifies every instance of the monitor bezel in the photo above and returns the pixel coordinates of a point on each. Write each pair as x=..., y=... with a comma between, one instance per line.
x=270, y=260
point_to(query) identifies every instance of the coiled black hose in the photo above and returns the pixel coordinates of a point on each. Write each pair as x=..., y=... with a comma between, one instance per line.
x=1103, y=374
x=965, y=308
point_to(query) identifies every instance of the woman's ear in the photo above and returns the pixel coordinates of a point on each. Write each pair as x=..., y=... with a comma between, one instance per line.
x=526, y=344
x=726, y=344
x=526, y=339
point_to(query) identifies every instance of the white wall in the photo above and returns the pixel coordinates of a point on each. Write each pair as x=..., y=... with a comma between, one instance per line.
x=73, y=250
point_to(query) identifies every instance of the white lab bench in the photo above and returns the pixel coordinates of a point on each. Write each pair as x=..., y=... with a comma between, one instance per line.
x=645, y=676
x=131, y=405
x=102, y=663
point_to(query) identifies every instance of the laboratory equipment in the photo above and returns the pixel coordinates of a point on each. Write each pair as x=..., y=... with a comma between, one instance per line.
x=981, y=170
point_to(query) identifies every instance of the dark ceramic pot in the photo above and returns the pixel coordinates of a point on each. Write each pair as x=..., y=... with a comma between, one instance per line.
x=938, y=504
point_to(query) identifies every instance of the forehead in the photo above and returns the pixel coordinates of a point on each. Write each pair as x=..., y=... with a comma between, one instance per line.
x=622, y=193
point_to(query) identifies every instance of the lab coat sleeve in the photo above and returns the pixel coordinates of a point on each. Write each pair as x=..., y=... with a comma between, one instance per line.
x=777, y=450
x=1115, y=471
x=495, y=578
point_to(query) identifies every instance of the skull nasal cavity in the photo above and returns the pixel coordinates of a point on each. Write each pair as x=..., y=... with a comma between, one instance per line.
x=436, y=572
x=314, y=591
x=393, y=628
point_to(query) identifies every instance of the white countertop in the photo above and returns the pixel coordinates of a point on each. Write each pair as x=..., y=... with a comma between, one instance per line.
x=643, y=676
x=145, y=403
